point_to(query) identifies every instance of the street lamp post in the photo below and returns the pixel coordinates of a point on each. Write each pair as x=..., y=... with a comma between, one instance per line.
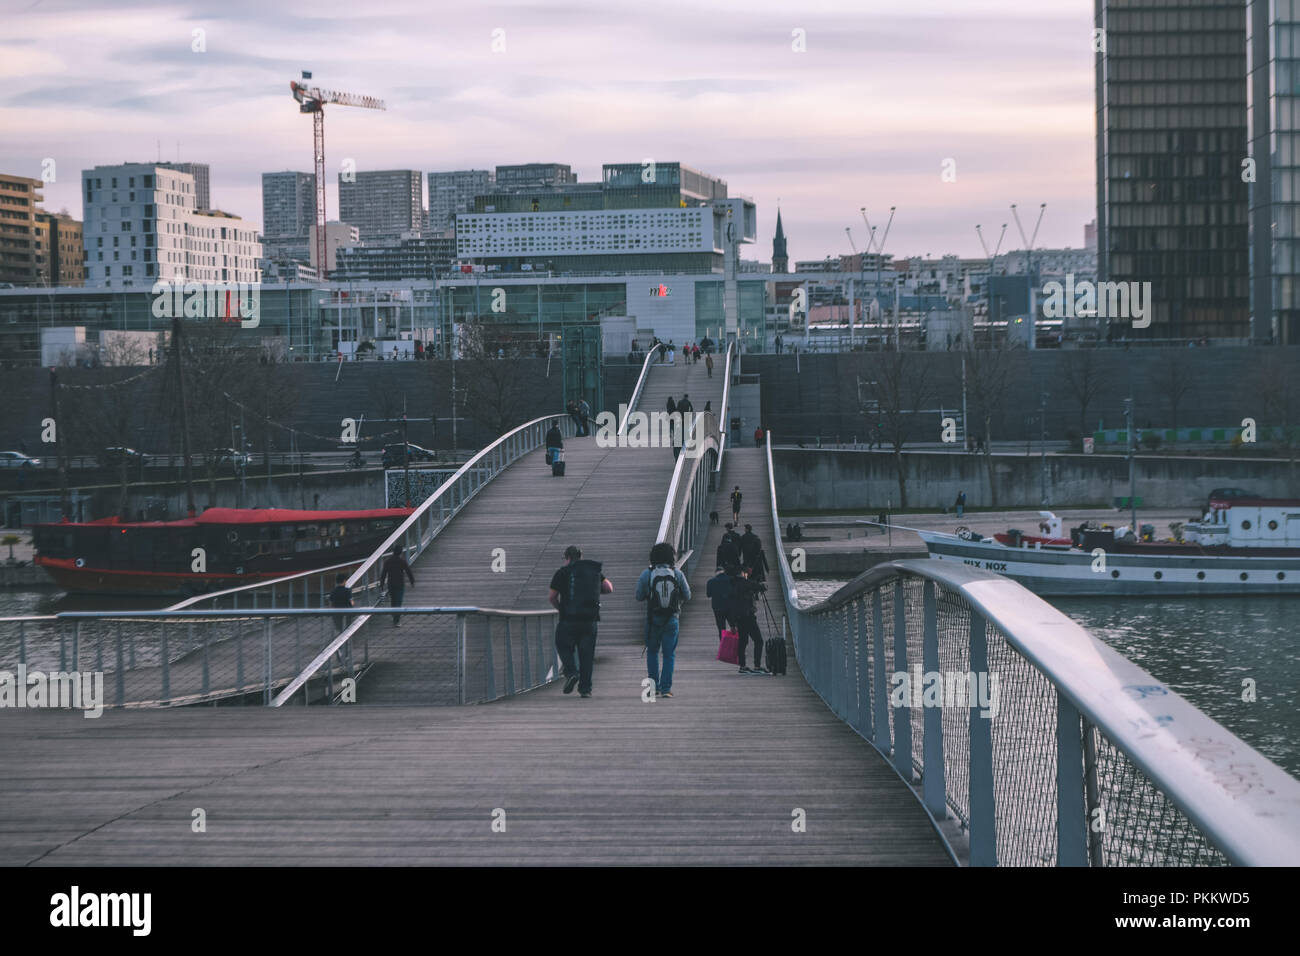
x=1132, y=474
x=1042, y=446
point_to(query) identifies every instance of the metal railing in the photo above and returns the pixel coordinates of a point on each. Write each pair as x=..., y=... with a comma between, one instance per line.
x=640, y=386
x=725, y=413
x=419, y=529
x=686, y=508
x=448, y=655
x=199, y=628
x=1028, y=740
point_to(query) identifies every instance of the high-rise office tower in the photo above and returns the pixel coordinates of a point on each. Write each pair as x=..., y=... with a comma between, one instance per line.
x=1171, y=137
x=453, y=192
x=1273, y=55
x=382, y=204
x=288, y=204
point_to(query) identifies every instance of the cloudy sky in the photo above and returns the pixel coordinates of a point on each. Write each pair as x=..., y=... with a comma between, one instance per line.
x=884, y=93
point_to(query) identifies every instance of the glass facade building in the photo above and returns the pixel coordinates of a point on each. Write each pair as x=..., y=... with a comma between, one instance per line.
x=1273, y=95
x=1172, y=203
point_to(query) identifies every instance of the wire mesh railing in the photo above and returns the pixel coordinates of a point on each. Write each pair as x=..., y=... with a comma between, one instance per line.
x=421, y=656
x=1027, y=740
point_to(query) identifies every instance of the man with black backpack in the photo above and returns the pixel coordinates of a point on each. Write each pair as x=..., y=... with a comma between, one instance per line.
x=664, y=589
x=575, y=592
x=728, y=554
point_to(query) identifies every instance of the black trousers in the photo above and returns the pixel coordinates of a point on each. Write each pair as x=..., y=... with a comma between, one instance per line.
x=748, y=628
x=577, y=639
x=721, y=618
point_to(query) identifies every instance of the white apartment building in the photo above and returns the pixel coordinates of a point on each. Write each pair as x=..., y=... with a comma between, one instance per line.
x=587, y=232
x=142, y=225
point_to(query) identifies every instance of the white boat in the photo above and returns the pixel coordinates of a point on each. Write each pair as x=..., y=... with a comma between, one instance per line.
x=1239, y=546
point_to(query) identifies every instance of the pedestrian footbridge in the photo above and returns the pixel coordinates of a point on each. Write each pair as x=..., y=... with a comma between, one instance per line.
x=431, y=729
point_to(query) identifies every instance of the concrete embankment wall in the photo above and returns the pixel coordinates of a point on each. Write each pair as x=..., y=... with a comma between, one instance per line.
x=823, y=479
x=823, y=395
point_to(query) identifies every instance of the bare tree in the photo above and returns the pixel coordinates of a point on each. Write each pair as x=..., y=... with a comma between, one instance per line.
x=988, y=377
x=217, y=361
x=899, y=388
x=1173, y=378
x=497, y=396
x=1085, y=377
x=1277, y=397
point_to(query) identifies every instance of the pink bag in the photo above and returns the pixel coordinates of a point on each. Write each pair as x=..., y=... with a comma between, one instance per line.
x=729, y=647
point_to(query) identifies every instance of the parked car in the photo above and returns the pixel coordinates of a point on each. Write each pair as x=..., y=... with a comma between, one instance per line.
x=113, y=457
x=16, y=459
x=395, y=458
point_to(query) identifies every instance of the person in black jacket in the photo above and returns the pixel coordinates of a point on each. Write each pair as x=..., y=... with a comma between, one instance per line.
x=394, y=568
x=729, y=549
x=719, y=591
x=744, y=594
x=575, y=592
x=340, y=597
x=751, y=554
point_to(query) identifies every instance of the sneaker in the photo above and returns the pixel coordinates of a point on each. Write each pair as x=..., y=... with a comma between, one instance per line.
x=586, y=693
x=570, y=683
x=743, y=669
x=666, y=693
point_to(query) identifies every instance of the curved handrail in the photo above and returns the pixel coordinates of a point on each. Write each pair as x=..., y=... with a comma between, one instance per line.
x=787, y=576
x=640, y=385
x=1243, y=803
x=710, y=442
x=211, y=595
x=399, y=535
x=724, y=420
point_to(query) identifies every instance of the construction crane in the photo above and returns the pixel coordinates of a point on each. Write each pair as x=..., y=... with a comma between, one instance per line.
x=312, y=100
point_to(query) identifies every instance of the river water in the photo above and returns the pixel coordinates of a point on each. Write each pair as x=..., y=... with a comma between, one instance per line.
x=1203, y=648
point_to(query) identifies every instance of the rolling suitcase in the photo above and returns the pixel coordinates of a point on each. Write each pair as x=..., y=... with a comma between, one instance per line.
x=557, y=465
x=775, y=652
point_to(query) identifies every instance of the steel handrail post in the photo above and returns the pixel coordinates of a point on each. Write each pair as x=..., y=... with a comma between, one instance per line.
x=934, y=784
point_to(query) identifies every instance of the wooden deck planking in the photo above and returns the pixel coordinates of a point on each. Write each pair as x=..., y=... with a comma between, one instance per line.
x=711, y=776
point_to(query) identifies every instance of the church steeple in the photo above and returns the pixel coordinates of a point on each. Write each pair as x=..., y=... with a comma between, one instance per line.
x=780, y=260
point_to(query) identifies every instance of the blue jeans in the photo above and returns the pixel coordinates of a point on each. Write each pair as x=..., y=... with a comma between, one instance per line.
x=661, y=633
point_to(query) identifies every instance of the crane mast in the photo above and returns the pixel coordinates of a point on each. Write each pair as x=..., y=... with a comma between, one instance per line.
x=312, y=100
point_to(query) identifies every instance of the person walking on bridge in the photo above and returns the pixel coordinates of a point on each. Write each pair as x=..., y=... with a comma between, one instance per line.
x=664, y=589
x=719, y=593
x=744, y=617
x=394, y=568
x=735, y=505
x=752, y=556
x=708, y=363
x=575, y=592
x=554, y=442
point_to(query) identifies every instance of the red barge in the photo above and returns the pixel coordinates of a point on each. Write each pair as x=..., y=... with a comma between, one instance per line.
x=220, y=548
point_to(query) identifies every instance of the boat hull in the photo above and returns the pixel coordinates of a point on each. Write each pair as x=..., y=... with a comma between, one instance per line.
x=109, y=581
x=1056, y=573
